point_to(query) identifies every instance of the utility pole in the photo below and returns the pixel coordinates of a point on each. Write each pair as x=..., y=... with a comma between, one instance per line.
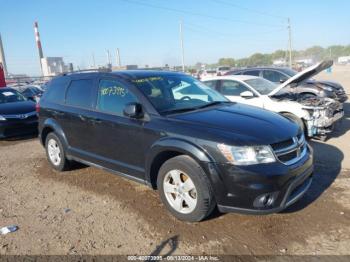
x=93, y=60
x=182, y=48
x=109, y=59
x=290, y=43
x=118, y=58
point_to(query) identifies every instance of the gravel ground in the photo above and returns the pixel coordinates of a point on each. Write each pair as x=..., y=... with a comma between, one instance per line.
x=89, y=211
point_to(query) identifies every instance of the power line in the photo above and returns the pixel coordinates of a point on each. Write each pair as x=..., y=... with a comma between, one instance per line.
x=198, y=14
x=248, y=9
x=207, y=30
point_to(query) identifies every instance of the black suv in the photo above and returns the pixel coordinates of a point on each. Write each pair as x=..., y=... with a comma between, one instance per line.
x=173, y=133
x=311, y=87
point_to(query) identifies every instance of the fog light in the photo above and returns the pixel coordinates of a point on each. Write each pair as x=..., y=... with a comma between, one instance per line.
x=265, y=200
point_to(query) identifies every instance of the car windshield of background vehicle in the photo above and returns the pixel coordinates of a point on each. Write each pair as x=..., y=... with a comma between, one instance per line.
x=169, y=93
x=261, y=85
x=9, y=96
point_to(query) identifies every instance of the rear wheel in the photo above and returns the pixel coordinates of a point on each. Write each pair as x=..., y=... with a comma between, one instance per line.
x=185, y=189
x=55, y=153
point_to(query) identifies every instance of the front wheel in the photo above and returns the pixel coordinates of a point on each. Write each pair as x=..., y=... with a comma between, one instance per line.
x=185, y=189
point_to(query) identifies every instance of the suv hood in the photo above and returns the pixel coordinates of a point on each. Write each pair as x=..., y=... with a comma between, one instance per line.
x=252, y=124
x=304, y=75
x=17, y=108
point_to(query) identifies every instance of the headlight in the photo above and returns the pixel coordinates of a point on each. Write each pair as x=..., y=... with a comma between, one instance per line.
x=247, y=155
x=2, y=118
x=327, y=88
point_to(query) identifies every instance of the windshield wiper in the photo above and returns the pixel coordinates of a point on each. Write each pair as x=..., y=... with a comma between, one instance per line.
x=214, y=104
x=179, y=110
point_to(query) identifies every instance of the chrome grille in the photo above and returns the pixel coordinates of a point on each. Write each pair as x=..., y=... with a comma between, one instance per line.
x=290, y=151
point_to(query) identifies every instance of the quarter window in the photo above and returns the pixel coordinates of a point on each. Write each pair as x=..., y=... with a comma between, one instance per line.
x=113, y=96
x=56, y=90
x=232, y=88
x=80, y=93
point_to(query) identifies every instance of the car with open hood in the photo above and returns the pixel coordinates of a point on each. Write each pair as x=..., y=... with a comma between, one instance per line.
x=170, y=131
x=309, y=87
x=314, y=114
x=17, y=114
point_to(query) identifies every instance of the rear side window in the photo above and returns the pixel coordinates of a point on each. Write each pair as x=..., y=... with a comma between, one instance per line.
x=80, y=93
x=56, y=90
x=252, y=73
x=113, y=96
x=274, y=76
x=211, y=84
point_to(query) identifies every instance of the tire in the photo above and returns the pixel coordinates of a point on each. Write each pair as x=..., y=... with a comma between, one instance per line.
x=296, y=119
x=55, y=150
x=187, y=205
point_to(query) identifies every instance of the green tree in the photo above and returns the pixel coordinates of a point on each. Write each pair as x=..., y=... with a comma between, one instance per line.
x=226, y=62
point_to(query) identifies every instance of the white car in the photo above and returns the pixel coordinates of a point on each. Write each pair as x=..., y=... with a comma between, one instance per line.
x=313, y=114
x=222, y=70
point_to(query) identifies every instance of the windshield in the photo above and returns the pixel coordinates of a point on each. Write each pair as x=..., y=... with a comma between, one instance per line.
x=9, y=96
x=261, y=85
x=170, y=93
x=289, y=71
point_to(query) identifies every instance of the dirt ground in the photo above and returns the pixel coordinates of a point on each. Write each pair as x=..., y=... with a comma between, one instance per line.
x=89, y=211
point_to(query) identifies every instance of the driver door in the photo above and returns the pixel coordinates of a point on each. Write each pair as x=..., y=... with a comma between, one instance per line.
x=235, y=90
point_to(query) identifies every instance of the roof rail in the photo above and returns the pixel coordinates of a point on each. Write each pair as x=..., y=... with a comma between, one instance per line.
x=101, y=70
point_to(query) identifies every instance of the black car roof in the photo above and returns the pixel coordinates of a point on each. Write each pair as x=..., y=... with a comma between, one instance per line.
x=129, y=74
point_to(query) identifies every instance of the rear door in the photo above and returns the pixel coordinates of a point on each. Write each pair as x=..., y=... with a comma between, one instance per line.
x=80, y=102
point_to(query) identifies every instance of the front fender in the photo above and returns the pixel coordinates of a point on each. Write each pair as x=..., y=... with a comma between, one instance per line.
x=177, y=145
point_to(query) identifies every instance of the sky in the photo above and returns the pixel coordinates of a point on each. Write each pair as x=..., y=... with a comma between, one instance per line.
x=147, y=31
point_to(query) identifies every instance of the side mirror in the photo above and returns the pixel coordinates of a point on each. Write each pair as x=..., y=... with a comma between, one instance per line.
x=31, y=99
x=133, y=110
x=282, y=81
x=247, y=94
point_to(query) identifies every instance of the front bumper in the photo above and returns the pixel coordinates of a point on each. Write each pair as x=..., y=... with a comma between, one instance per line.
x=18, y=128
x=323, y=125
x=241, y=187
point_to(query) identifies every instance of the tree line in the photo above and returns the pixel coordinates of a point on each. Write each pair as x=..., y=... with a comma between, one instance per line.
x=258, y=59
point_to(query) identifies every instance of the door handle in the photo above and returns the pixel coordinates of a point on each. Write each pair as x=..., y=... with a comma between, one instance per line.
x=95, y=120
x=56, y=113
x=82, y=118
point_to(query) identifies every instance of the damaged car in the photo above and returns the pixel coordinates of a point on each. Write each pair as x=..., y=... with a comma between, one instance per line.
x=315, y=115
x=310, y=87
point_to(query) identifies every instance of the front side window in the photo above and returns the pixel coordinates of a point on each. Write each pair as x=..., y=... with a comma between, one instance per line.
x=113, y=96
x=274, y=76
x=169, y=93
x=261, y=85
x=80, y=93
x=232, y=88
